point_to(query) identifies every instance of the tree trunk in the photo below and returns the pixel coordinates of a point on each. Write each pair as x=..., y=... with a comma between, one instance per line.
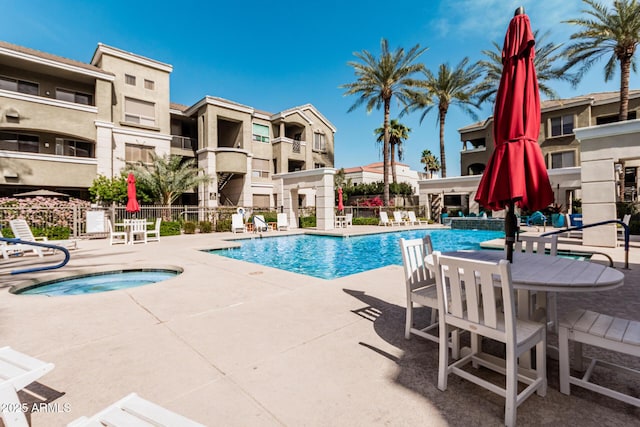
x=394, y=178
x=625, y=65
x=385, y=153
x=443, y=160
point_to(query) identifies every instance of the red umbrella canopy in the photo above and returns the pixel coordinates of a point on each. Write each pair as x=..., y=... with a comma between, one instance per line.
x=132, y=203
x=340, y=202
x=516, y=171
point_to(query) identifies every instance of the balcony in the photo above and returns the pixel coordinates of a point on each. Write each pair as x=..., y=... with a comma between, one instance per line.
x=294, y=148
x=231, y=160
x=183, y=145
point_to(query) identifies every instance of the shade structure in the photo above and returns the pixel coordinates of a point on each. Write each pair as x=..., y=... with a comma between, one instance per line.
x=516, y=173
x=41, y=193
x=340, y=202
x=132, y=202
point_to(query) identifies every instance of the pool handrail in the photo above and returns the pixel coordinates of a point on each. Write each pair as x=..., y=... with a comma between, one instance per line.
x=67, y=255
x=609, y=221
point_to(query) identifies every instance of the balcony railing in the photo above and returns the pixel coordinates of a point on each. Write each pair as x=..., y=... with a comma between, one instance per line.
x=184, y=142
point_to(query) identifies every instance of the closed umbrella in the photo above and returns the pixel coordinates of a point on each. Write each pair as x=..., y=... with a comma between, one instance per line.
x=516, y=173
x=340, y=202
x=132, y=202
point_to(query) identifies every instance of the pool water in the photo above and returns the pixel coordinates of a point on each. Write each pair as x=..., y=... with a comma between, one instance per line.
x=100, y=282
x=328, y=257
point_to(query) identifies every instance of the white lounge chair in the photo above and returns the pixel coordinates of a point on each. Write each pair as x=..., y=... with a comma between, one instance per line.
x=415, y=221
x=154, y=234
x=133, y=410
x=259, y=223
x=283, y=222
x=384, y=219
x=237, y=223
x=11, y=249
x=22, y=231
x=397, y=218
x=17, y=370
x=625, y=219
x=116, y=236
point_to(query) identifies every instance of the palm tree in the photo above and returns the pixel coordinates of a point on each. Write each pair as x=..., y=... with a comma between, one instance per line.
x=397, y=134
x=431, y=163
x=450, y=87
x=377, y=81
x=604, y=32
x=546, y=56
x=167, y=177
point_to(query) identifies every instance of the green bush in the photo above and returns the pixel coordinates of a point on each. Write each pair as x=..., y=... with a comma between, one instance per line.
x=170, y=228
x=223, y=225
x=52, y=233
x=205, y=226
x=189, y=227
x=365, y=221
x=307, y=221
x=634, y=224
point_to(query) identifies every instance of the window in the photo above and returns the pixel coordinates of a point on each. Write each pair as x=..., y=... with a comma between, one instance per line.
x=565, y=159
x=141, y=112
x=68, y=147
x=260, y=168
x=71, y=96
x=319, y=143
x=21, y=86
x=562, y=125
x=603, y=120
x=260, y=133
x=149, y=84
x=261, y=201
x=129, y=79
x=19, y=142
x=318, y=165
x=137, y=153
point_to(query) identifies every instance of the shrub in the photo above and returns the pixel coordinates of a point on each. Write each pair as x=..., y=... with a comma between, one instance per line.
x=189, y=227
x=365, y=221
x=169, y=228
x=205, y=226
x=223, y=225
x=307, y=221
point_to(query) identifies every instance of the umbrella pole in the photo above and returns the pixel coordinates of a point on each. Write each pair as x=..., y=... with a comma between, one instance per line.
x=510, y=226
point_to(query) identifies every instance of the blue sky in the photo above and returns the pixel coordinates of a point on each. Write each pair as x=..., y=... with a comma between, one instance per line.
x=277, y=55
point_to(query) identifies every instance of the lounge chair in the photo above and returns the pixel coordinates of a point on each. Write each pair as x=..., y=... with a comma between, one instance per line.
x=397, y=218
x=415, y=221
x=283, y=222
x=625, y=219
x=12, y=249
x=237, y=223
x=116, y=236
x=384, y=219
x=154, y=234
x=22, y=231
x=133, y=410
x=259, y=223
x=17, y=371
x=537, y=218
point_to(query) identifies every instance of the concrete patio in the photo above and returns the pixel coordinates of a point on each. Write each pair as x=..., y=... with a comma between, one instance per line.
x=237, y=344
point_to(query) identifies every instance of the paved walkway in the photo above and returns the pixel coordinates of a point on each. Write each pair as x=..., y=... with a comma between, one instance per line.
x=238, y=344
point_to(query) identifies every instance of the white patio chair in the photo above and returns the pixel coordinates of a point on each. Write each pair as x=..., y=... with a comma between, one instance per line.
x=116, y=236
x=133, y=410
x=237, y=223
x=470, y=302
x=12, y=249
x=625, y=219
x=413, y=220
x=384, y=219
x=541, y=303
x=154, y=234
x=138, y=227
x=348, y=220
x=22, y=231
x=397, y=218
x=283, y=222
x=17, y=370
x=259, y=223
x=420, y=284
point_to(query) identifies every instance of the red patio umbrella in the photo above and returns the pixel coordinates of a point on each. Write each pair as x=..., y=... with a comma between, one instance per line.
x=132, y=202
x=516, y=172
x=340, y=202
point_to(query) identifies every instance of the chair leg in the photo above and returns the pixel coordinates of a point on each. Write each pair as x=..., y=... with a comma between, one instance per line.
x=541, y=364
x=563, y=348
x=443, y=357
x=511, y=389
x=409, y=320
x=455, y=344
x=10, y=412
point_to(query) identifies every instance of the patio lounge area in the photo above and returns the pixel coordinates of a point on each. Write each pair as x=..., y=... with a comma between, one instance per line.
x=239, y=344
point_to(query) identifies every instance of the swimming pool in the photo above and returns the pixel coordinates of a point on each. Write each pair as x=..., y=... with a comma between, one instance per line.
x=329, y=257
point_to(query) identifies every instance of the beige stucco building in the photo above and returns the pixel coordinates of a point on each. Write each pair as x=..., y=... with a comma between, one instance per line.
x=64, y=122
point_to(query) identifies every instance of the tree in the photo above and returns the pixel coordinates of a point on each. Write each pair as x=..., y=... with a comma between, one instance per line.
x=431, y=163
x=450, y=87
x=546, y=57
x=378, y=80
x=604, y=32
x=114, y=190
x=167, y=177
x=397, y=134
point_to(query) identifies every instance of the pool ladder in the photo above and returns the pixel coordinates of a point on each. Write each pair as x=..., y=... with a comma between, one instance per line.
x=61, y=264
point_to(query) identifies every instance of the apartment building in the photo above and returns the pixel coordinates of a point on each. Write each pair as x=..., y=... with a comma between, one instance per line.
x=64, y=122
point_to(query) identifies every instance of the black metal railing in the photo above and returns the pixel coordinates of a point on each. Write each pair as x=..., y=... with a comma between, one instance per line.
x=67, y=255
x=595, y=224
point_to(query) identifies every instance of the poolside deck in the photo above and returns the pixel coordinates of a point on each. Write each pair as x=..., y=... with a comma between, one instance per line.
x=239, y=344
